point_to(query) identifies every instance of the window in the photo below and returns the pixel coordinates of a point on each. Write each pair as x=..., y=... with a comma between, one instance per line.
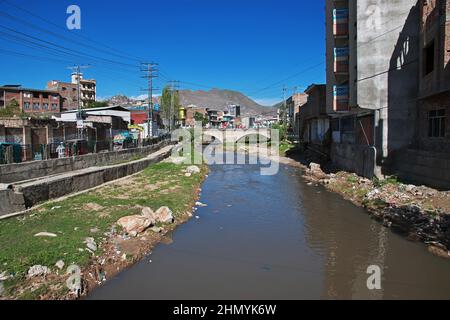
x=436, y=123
x=27, y=95
x=36, y=95
x=335, y=125
x=348, y=124
x=26, y=105
x=36, y=106
x=428, y=56
x=45, y=106
x=64, y=88
x=54, y=106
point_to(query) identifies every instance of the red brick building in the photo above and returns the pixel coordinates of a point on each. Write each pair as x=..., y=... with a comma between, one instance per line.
x=69, y=92
x=434, y=81
x=30, y=100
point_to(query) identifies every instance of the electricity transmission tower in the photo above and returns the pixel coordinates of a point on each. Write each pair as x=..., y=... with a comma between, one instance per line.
x=284, y=106
x=77, y=71
x=150, y=72
x=174, y=86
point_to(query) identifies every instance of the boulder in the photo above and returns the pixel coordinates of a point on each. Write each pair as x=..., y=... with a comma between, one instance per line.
x=149, y=214
x=38, y=270
x=134, y=223
x=193, y=169
x=164, y=215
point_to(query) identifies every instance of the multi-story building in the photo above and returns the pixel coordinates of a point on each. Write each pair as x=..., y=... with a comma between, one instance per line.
x=372, y=81
x=30, y=100
x=434, y=76
x=69, y=91
x=293, y=105
x=427, y=160
x=313, y=119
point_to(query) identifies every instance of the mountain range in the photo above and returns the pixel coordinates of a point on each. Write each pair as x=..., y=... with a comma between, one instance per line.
x=220, y=99
x=214, y=99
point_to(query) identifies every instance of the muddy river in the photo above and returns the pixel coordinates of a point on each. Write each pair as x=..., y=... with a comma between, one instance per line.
x=275, y=237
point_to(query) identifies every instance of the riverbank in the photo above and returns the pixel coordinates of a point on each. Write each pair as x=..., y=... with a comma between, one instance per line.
x=417, y=212
x=38, y=250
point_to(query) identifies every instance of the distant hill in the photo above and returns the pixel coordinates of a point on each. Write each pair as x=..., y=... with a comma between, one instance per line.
x=220, y=99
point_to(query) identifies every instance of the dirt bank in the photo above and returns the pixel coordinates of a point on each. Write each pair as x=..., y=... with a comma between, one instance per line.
x=82, y=231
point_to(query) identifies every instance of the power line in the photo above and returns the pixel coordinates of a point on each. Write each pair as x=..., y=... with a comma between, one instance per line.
x=96, y=42
x=79, y=53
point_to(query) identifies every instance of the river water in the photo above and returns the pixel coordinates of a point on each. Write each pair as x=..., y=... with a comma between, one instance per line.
x=275, y=237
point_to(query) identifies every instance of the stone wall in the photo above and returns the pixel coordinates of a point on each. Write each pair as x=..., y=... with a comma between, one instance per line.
x=424, y=167
x=36, y=169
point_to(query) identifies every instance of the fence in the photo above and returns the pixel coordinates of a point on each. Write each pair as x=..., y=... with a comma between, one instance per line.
x=25, y=153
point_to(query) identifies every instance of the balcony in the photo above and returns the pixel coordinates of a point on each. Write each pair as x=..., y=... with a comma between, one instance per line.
x=341, y=98
x=341, y=60
x=340, y=23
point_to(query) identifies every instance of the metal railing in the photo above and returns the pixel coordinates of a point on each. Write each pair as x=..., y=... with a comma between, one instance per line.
x=17, y=153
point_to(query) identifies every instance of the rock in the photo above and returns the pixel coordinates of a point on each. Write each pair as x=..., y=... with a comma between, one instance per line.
x=134, y=223
x=164, y=215
x=199, y=204
x=38, y=270
x=372, y=194
x=188, y=174
x=437, y=251
x=156, y=229
x=4, y=276
x=193, y=169
x=90, y=244
x=94, y=230
x=45, y=234
x=59, y=264
x=55, y=208
x=149, y=214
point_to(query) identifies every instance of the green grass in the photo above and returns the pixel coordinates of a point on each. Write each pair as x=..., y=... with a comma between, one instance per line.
x=285, y=147
x=383, y=182
x=163, y=184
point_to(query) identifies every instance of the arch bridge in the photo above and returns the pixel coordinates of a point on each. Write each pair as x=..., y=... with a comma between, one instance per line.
x=234, y=135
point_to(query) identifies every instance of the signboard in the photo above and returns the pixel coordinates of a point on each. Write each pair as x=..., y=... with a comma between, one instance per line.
x=80, y=124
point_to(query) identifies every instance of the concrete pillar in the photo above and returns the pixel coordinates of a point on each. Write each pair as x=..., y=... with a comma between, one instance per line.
x=2, y=133
x=49, y=130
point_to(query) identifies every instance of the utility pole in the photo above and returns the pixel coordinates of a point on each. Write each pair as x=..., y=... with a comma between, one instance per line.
x=174, y=86
x=77, y=71
x=150, y=70
x=284, y=107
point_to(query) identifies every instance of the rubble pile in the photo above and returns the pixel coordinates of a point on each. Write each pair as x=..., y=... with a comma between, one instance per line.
x=419, y=212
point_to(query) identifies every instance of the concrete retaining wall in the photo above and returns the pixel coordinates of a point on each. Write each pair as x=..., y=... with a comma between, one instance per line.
x=36, y=169
x=20, y=196
x=424, y=167
x=10, y=201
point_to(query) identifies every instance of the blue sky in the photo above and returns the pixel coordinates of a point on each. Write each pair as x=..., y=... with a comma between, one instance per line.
x=251, y=46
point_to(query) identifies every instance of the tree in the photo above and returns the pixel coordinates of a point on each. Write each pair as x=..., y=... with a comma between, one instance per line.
x=11, y=109
x=200, y=118
x=166, y=104
x=96, y=104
